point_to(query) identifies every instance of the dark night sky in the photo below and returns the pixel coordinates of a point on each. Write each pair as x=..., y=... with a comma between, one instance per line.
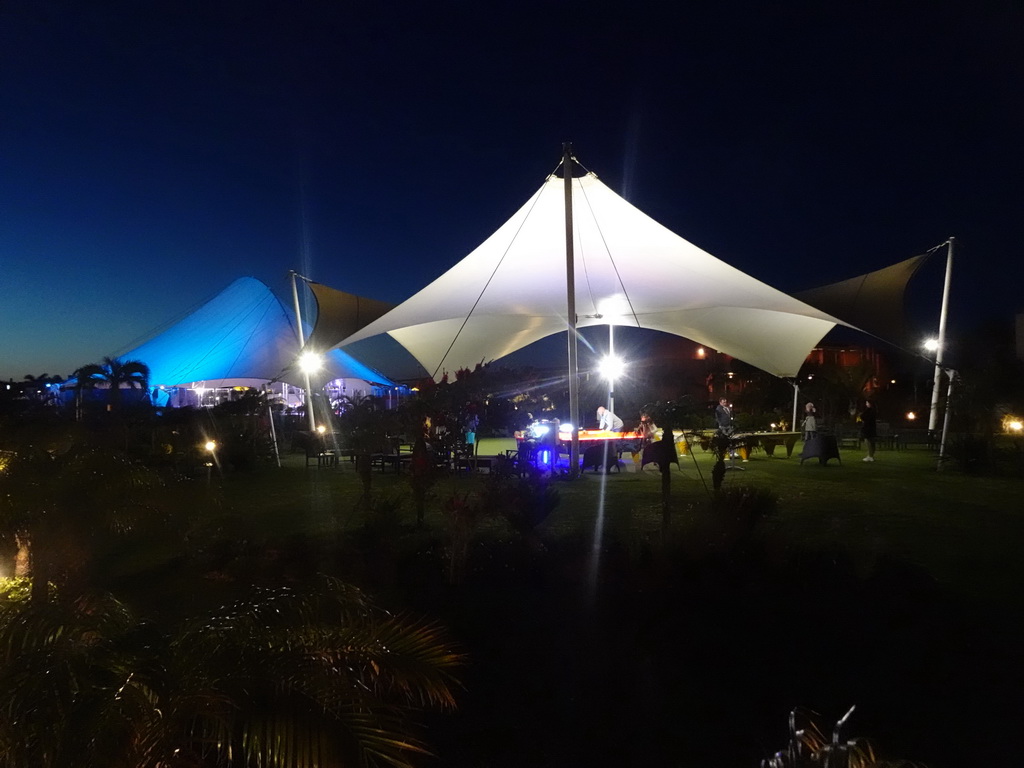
x=152, y=152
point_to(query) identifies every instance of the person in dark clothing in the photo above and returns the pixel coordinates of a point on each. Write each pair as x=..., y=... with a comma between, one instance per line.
x=869, y=428
x=724, y=418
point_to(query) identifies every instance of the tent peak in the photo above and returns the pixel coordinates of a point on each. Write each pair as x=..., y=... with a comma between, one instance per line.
x=573, y=164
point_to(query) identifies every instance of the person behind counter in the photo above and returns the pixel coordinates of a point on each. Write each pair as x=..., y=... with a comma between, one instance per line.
x=606, y=420
x=647, y=429
x=724, y=418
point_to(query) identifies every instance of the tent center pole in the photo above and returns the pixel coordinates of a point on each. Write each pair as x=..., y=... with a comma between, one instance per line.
x=570, y=287
x=302, y=342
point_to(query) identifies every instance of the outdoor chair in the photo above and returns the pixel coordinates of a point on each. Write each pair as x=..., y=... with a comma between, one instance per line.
x=884, y=436
x=847, y=438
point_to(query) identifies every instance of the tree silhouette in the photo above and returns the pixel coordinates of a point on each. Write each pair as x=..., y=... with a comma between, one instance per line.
x=114, y=374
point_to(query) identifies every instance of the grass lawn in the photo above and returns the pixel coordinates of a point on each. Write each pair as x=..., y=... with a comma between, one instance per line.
x=888, y=585
x=964, y=530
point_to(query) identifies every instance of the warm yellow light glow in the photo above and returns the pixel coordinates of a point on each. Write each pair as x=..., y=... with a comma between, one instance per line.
x=321, y=428
x=701, y=353
x=611, y=367
x=911, y=415
x=1013, y=424
x=210, y=446
x=310, y=362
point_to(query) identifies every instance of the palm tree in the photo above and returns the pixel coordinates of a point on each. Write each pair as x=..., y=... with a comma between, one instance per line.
x=37, y=388
x=114, y=374
x=285, y=678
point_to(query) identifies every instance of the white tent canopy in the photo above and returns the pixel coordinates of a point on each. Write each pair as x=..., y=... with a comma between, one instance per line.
x=629, y=270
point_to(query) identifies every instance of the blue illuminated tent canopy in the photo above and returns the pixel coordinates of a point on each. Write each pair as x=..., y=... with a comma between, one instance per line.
x=241, y=337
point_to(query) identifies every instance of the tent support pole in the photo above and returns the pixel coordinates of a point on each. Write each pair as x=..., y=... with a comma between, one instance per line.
x=273, y=429
x=951, y=375
x=933, y=415
x=796, y=395
x=611, y=356
x=302, y=342
x=570, y=286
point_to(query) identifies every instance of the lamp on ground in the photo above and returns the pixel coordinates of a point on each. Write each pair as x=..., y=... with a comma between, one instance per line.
x=210, y=446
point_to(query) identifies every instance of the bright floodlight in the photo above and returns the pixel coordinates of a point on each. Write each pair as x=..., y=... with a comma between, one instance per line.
x=310, y=362
x=931, y=344
x=321, y=428
x=611, y=367
x=210, y=446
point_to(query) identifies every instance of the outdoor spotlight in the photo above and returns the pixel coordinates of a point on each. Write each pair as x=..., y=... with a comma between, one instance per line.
x=931, y=345
x=1014, y=426
x=310, y=362
x=210, y=446
x=321, y=428
x=611, y=367
x=911, y=416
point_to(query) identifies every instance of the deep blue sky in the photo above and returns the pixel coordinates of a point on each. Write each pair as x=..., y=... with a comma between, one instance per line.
x=151, y=152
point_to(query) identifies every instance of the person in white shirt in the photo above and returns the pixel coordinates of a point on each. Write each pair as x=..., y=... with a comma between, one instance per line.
x=607, y=420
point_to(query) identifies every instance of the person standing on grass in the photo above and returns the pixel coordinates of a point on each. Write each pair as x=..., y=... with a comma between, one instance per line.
x=810, y=424
x=869, y=428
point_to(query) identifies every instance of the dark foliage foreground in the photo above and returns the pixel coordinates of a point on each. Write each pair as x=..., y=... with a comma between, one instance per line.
x=677, y=648
x=291, y=678
x=690, y=651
